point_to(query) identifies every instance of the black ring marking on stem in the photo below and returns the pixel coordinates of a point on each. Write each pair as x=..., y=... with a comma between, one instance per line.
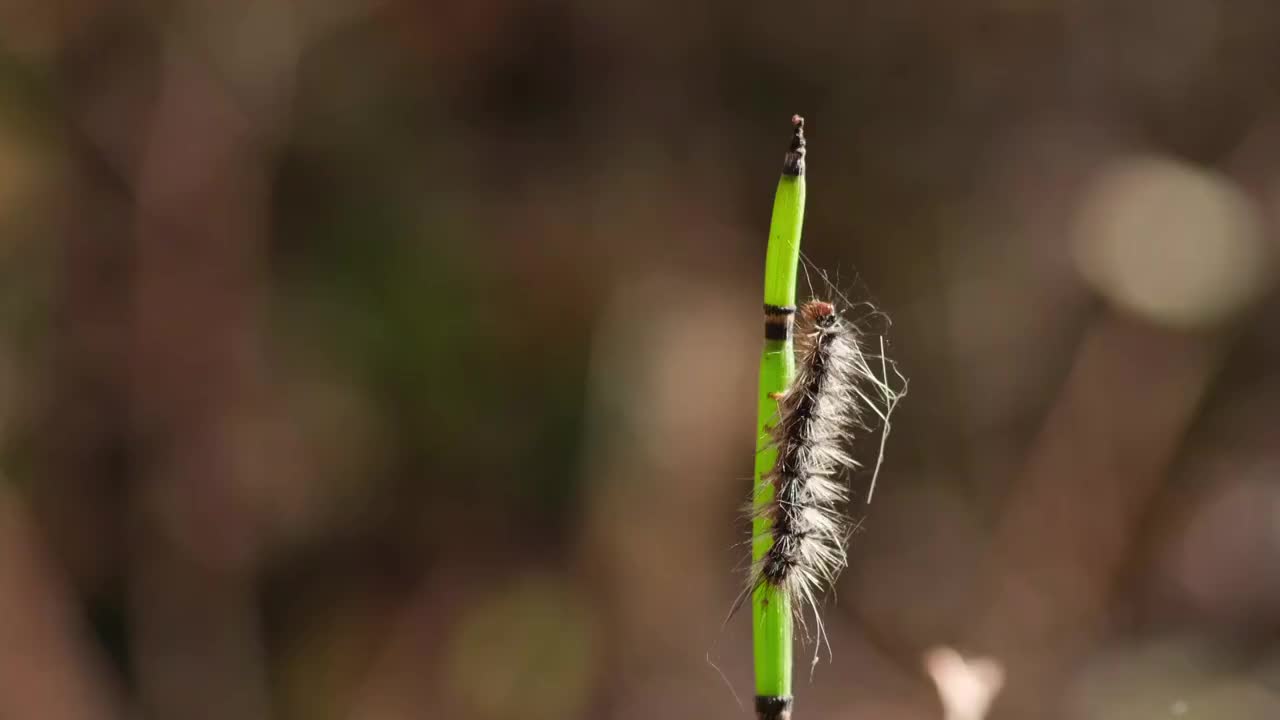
x=793, y=161
x=777, y=321
x=773, y=707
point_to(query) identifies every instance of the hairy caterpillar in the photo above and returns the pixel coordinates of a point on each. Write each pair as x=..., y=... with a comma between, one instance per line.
x=816, y=417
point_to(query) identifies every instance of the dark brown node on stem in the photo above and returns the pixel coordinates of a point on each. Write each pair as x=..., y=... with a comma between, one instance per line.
x=777, y=321
x=773, y=707
x=793, y=161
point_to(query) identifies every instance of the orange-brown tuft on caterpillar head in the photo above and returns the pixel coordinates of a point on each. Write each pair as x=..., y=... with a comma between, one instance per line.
x=815, y=310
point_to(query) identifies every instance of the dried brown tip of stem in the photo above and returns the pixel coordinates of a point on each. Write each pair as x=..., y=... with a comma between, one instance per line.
x=793, y=161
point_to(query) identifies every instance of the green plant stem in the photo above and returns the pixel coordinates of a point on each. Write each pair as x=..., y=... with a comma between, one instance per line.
x=771, y=607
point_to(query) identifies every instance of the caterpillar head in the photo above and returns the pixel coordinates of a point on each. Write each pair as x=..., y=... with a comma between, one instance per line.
x=818, y=313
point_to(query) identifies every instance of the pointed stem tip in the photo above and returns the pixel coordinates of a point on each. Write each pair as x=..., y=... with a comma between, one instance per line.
x=793, y=161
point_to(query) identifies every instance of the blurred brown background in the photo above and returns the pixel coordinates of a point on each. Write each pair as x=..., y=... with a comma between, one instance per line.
x=371, y=359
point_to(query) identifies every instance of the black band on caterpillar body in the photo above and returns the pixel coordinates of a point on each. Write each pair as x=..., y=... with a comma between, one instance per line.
x=816, y=417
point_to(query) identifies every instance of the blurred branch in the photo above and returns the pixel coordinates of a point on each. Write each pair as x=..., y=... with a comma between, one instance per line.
x=47, y=670
x=202, y=223
x=1074, y=519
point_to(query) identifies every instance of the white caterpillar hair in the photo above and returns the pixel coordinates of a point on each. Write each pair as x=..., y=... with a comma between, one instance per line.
x=816, y=419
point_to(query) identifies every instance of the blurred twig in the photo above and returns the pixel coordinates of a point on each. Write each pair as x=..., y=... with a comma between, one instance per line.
x=1073, y=521
x=47, y=670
